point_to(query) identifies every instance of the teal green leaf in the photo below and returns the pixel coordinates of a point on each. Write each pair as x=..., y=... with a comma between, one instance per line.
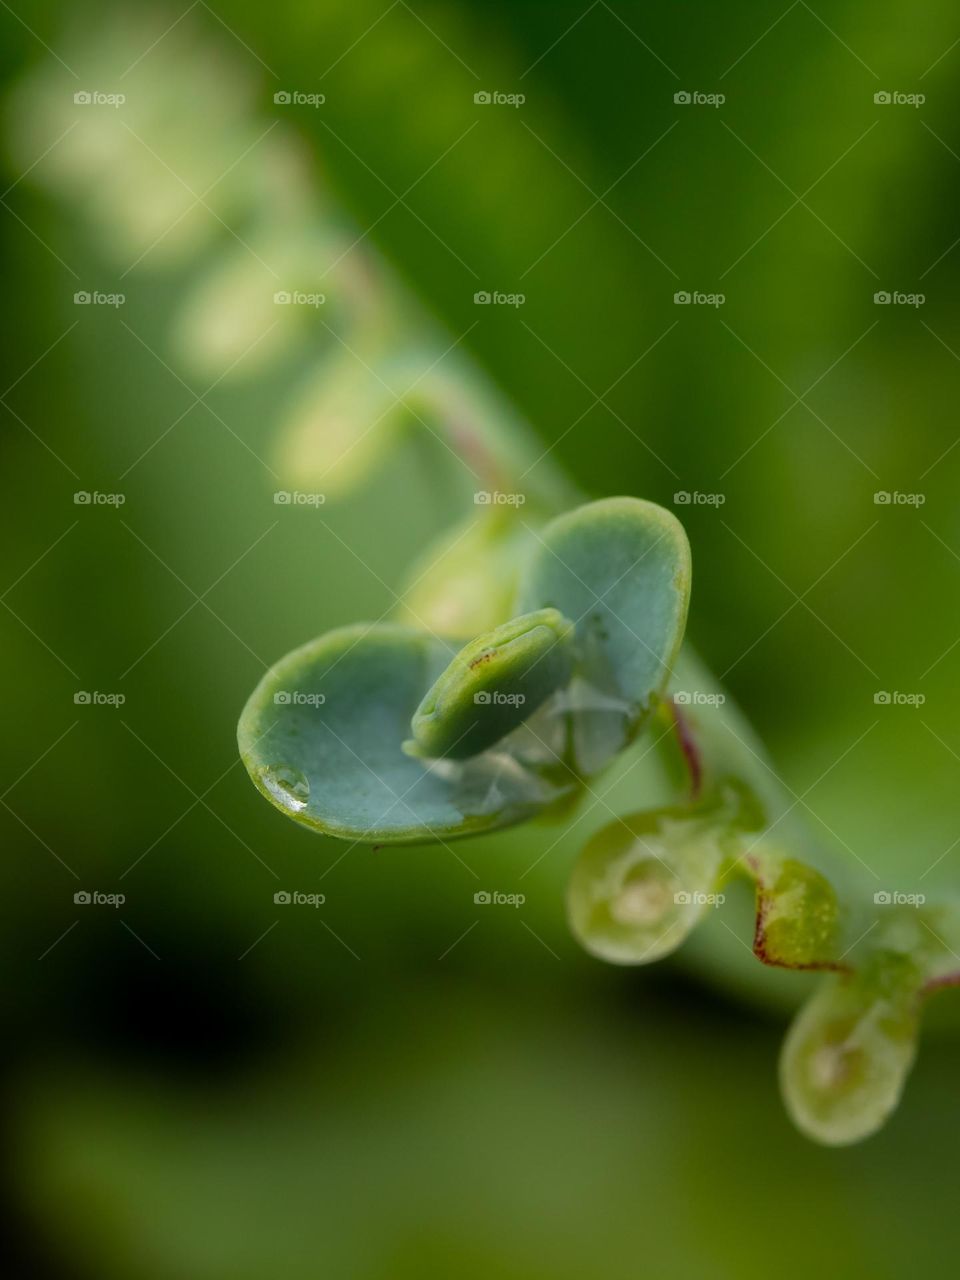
x=620, y=570
x=322, y=734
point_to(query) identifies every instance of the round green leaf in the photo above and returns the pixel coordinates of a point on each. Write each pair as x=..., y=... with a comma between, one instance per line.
x=849, y=1051
x=322, y=734
x=644, y=881
x=620, y=570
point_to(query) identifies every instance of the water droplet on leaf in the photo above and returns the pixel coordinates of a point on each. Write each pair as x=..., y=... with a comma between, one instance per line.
x=287, y=785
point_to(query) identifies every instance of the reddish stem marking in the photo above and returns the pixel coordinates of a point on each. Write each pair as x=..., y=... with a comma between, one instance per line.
x=691, y=752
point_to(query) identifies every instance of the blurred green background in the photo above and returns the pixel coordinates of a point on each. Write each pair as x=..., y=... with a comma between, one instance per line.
x=203, y=1086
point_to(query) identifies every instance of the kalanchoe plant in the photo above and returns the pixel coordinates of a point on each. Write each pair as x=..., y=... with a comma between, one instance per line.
x=528, y=655
x=392, y=734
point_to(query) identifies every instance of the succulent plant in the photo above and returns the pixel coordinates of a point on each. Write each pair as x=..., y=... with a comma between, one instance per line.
x=538, y=645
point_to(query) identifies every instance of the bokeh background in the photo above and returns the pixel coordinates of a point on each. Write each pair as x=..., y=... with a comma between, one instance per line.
x=200, y=1085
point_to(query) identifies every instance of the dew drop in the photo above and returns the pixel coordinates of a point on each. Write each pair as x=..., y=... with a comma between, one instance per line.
x=287, y=785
